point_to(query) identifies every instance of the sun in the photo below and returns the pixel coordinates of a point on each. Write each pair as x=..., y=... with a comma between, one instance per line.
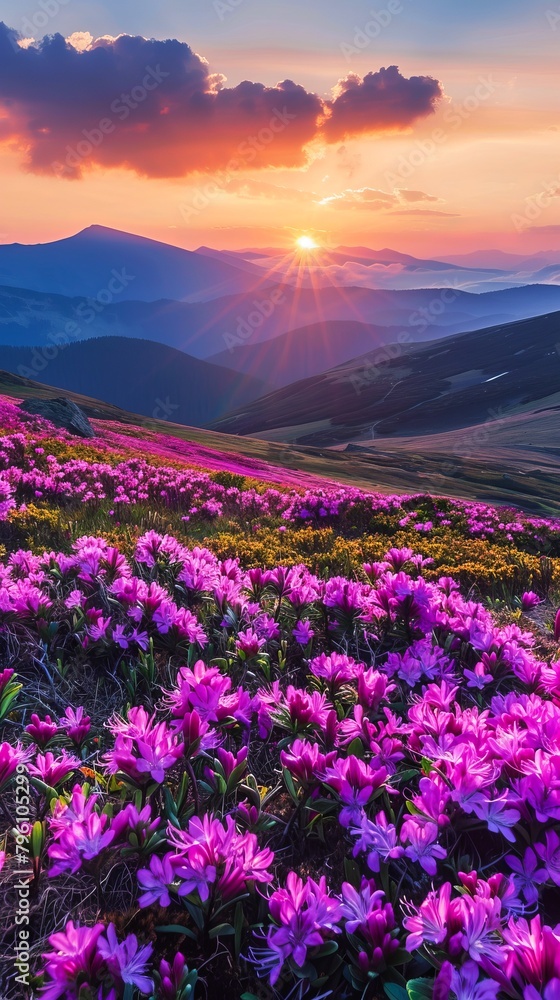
x=306, y=243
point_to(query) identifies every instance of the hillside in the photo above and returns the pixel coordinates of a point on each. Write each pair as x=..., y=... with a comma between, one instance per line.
x=425, y=389
x=138, y=375
x=527, y=477
x=312, y=349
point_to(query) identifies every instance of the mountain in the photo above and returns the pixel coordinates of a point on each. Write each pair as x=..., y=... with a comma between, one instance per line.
x=111, y=266
x=467, y=379
x=138, y=375
x=501, y=259
x=203, y=329
x=313, y=349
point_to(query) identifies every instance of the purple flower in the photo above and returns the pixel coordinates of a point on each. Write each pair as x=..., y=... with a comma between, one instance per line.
x=423, y=846
x=304, y=915
x=125, y=960
x=376, y=838
x=466, y=984
x=550, y=856
x=527, y=875
x=156, y=880
x=303, y=633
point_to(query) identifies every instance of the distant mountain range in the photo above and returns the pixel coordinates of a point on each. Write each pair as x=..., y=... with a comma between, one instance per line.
x=224, y=325
x=115, y=266
x=464, y=380
x=272, y=341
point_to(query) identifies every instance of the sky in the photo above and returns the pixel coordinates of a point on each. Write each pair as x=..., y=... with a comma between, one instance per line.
x=424, y=125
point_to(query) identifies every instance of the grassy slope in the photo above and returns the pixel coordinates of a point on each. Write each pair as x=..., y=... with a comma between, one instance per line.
x=532, y=484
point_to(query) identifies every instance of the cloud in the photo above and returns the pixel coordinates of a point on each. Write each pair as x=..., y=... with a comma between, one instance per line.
x=426, y=211
x=416, y=196
x=380, y=101
x=255, y=189
x=80, y=40
x=369, y=198
x=155, y=108
x=544, y=230
x=375, y=200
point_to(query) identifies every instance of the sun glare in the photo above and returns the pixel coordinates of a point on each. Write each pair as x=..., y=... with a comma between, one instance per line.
x=306, y=243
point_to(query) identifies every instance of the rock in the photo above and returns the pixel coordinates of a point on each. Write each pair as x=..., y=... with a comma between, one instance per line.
x=61, y=412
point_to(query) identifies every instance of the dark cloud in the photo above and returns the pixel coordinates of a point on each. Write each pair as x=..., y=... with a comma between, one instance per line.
x=381, y=101
x=154, y=107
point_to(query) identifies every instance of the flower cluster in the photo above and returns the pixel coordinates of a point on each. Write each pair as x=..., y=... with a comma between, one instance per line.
x=334, y=783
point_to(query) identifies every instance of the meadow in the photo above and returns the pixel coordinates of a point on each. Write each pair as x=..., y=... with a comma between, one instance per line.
x=279, y=738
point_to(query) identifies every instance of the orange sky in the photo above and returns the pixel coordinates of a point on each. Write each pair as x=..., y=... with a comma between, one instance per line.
x=484, y=168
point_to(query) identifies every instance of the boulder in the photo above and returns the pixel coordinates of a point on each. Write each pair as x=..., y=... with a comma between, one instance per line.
x=61, y=412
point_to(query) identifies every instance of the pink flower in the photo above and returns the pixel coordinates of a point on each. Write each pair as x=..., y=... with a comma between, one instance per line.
x=10, y=757
x=41, y=730
x=74, y=962
x=52, y=770
x=336, y=669
x=76, y=724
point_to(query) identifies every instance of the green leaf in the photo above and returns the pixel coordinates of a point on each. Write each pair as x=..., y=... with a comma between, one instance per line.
x=290, y=784
x=352, y=873
x=420, y=989
x=395, y=992
x=238, y=921
x=356, y=748
x=329, y=948
x=176, y=929
x=222, y=930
